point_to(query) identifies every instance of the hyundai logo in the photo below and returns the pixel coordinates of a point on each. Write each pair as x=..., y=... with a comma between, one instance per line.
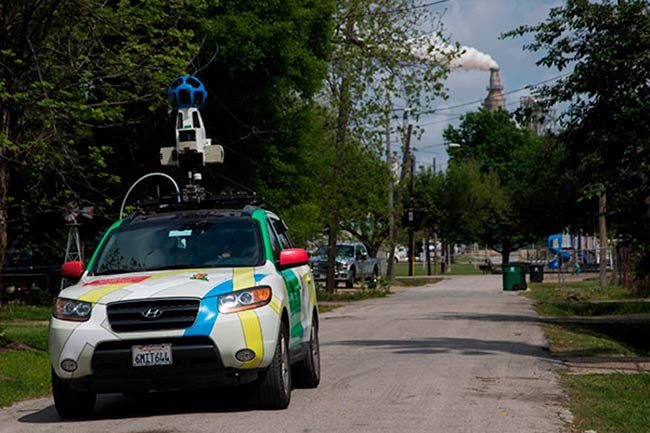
x=152, y=313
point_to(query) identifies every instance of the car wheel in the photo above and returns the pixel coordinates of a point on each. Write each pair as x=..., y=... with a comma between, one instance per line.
x=350, y=281
x=69, y=402
x=375, y=275
x=307, y=373
x=273, y=388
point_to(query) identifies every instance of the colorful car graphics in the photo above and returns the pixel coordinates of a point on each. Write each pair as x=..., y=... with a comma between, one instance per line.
x=292, y=293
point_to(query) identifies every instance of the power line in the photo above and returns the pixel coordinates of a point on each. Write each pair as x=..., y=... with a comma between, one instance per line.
x=465, y=104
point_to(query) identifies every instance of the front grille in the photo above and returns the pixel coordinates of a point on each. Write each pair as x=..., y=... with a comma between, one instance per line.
x=322, y=268
x=152, y=315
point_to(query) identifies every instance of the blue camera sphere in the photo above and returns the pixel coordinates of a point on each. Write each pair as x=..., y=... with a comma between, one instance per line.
x=186, y=92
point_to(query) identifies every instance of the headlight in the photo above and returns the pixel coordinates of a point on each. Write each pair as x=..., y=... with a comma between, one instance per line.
x=68, y=309
x=246, y=299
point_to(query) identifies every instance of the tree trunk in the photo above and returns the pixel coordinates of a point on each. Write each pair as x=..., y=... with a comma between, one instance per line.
x=342, y=123
x=505, y=253
x=602, y=228
x=4, y=200
x=400, y=190
x=331, y=254
x=4, y=194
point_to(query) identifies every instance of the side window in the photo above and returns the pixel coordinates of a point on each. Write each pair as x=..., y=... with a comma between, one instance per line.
x=275, y=244
x=282, y=232
x=362, y=251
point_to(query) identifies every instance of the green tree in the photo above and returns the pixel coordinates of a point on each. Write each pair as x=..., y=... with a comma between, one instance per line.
x=363, y=197
x=499, y=146
x=384, y=53
x=607, y=126
x=67, y=70
x=460, y=205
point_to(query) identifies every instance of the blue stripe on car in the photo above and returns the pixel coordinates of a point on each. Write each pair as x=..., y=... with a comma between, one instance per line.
x=209, y=310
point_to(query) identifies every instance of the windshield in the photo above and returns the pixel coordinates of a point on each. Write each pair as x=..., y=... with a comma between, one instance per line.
x=176, y=244
x=341, y=251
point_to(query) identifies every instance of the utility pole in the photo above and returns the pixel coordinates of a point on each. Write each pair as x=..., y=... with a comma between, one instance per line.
x=411, y=216
x=402, y=175
x=390, y=271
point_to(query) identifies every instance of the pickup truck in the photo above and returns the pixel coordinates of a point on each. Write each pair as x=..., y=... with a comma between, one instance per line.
x=352, y=263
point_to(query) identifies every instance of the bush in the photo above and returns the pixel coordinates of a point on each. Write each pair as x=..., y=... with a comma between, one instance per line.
x=381, y=284
x=38, y=296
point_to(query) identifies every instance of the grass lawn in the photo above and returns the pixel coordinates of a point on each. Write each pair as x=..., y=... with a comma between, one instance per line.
x=605, y=337
x=24, y=374
x=584, y=298
x=420, y=269
x=610, y=403
x=416, y=281
x=24, y=312
x=603, y=403
x=349, y=295
x=24, y=363
x=572, y=341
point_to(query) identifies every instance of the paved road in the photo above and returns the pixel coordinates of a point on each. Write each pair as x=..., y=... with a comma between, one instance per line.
x=458, y=356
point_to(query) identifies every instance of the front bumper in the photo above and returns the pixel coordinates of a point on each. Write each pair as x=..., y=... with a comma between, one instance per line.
x=319, y=270
x=197, y=364
x=203, y=353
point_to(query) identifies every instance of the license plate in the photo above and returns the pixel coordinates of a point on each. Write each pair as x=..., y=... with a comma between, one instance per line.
x=151, y=354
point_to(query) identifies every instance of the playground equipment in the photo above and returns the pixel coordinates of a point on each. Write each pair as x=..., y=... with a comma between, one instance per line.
x=582, y=250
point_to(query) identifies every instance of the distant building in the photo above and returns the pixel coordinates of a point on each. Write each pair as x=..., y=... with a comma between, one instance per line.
x=538, y=120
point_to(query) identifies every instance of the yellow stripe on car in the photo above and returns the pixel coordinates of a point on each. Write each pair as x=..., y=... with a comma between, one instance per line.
x=253, y=335
x=95, y=295
x=244, y=278
x=276, y=304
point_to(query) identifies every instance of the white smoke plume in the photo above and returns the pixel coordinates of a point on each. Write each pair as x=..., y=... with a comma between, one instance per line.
x=471, y=58
x=430, y=49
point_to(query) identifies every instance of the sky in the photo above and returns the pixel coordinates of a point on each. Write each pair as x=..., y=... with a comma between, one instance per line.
x=478, y=24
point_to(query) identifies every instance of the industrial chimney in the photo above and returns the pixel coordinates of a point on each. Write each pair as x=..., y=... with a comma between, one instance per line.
x=495, y=99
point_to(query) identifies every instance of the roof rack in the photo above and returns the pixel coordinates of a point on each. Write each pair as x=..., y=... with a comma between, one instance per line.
x=228, y=199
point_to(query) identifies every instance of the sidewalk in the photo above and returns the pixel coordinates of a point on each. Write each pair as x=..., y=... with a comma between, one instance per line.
x=606, y=365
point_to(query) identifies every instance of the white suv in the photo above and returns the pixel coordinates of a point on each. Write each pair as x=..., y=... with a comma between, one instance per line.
x=186, y=299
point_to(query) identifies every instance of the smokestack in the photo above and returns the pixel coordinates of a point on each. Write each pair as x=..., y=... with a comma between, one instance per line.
x=495, y=99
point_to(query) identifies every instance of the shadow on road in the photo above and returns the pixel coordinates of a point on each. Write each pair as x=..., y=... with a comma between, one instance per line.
x=442, y=345
x=117, y=406
x=490, y=317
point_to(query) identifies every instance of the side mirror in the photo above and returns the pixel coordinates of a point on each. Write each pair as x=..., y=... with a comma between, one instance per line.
x=72, y=269
x=293, y=257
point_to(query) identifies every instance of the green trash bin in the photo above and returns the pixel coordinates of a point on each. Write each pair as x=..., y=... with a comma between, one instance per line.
x=514, y=276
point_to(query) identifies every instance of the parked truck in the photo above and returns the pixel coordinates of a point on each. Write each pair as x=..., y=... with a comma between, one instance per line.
x=352, y=263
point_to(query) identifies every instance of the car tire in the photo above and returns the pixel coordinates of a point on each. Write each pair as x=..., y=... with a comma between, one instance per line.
x=375, y=275
x=69, y=402
x=349, y=283
x=273, y=388
x=307, y=373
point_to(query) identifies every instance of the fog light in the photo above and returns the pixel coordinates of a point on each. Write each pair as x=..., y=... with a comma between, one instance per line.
x=245, y=355
x=69, y=365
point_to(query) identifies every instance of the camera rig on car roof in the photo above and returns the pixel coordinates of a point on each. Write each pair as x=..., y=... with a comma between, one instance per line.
x=193, y=150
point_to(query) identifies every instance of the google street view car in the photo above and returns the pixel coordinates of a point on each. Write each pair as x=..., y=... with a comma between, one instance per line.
x=186, y=299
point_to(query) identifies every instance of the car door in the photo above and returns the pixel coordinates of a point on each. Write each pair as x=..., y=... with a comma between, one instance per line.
x=296, y=280
x=363, y=260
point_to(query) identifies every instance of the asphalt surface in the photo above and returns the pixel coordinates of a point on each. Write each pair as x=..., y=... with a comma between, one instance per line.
x=458, y=356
